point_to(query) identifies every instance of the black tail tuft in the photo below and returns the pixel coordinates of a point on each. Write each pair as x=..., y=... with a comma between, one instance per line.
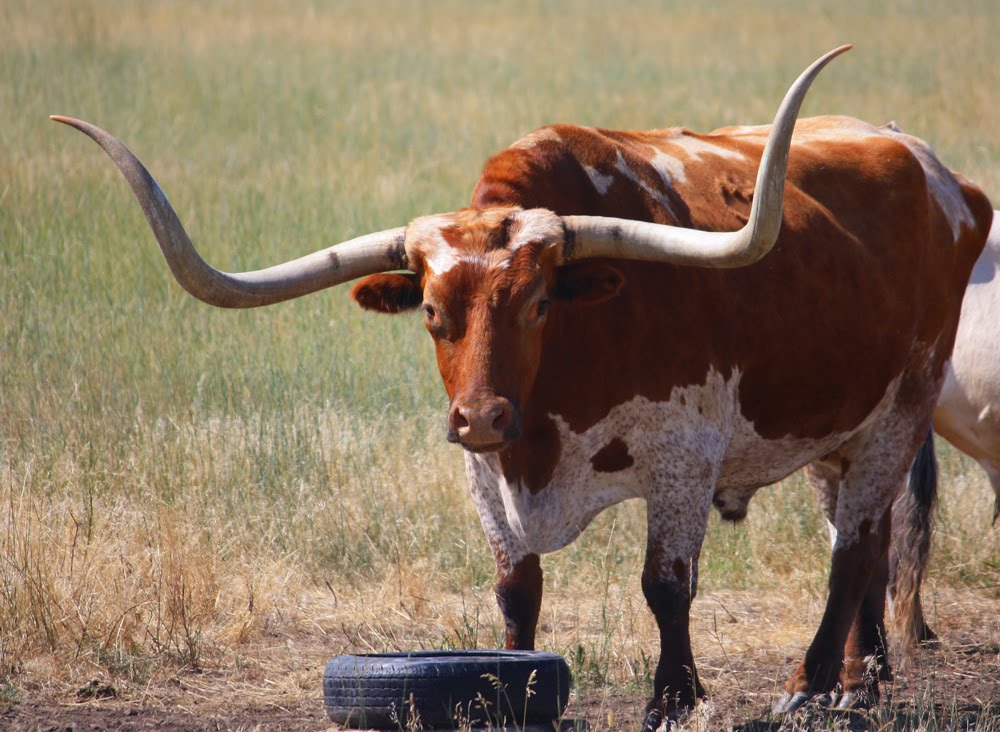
x=912, y=524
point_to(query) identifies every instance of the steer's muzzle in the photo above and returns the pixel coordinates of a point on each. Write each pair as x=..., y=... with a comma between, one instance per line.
x=484, y=424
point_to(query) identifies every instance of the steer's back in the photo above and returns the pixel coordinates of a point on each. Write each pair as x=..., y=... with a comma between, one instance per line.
x=877, y=242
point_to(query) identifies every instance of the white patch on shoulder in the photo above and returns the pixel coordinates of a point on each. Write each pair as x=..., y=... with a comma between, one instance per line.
x=695, y=147
x=545, y=134
x=746, y=131
x=622, y=166
x=670, y=168
x=945, y=189
x=601, y=182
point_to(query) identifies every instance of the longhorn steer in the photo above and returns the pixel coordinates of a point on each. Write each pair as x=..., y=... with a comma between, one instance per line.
x=600, y=339
x=968, y=416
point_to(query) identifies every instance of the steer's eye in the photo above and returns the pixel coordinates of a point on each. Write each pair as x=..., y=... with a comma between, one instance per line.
x=429, y=311
x=543, y=307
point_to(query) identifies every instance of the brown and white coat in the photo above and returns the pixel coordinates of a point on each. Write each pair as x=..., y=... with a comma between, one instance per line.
x=590, y=358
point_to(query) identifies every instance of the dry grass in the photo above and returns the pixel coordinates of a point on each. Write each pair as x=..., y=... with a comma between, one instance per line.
x=185, y=488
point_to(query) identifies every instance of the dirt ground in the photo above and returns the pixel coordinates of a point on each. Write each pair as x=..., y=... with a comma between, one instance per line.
x=742, y=661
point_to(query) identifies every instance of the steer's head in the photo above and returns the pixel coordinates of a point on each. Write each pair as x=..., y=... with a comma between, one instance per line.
x=484, y=279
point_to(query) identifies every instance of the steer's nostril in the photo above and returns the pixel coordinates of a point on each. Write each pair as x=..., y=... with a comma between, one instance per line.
x=502, y=418
x=459, y=420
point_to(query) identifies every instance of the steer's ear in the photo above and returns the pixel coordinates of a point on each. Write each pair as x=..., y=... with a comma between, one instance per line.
x=587, y=282
x=388, y=293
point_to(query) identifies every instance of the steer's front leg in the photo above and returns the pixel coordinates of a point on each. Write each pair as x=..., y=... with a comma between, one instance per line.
x=519, y=595
x=519, y=572
x=677, y=518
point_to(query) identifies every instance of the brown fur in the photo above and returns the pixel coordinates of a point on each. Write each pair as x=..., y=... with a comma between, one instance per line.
x=861, y=291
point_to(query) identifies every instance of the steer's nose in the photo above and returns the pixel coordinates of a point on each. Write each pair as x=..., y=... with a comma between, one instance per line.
x=482, y=424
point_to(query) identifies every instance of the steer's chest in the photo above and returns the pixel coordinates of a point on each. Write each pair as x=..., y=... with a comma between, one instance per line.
x=639, y=445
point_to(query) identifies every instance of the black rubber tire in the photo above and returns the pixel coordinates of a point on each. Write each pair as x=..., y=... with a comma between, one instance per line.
x=381, y=690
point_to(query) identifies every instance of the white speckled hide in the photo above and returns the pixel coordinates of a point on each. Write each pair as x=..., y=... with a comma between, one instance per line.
x=684, y=451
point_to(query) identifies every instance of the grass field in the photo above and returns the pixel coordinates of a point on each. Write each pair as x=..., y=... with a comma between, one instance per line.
x=181, y=485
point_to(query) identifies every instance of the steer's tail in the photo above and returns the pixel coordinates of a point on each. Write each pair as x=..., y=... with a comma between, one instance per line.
x=912, y=521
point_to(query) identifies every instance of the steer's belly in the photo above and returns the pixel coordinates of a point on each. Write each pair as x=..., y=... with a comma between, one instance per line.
x=752, y=462
x=697, y=442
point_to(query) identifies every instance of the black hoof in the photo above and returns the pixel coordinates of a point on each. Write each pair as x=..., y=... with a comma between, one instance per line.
x=653, y=721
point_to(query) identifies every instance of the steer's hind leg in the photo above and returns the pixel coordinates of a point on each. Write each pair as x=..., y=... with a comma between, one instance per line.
x=992, y=468
x=872, y=468
x=850, y=575
x=866, y=661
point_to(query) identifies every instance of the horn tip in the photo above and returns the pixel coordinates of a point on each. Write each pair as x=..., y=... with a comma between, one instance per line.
x=71, y=121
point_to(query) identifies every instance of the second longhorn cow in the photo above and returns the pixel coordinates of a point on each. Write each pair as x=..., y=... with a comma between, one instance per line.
x=635, y=314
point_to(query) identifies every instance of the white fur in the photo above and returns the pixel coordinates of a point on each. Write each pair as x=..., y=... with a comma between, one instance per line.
x=546, y=134
x=424, y=236
x=425, y=232
x=695, y=147
x=967, y=413
x=671, y=169
x=941, y=182
x=685, y=450
x=601, y=182
x=659, y=196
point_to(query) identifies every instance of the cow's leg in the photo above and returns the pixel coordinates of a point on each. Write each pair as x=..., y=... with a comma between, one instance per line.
x=519, y=595
x=992, y=468
x=850, y=574
x=865, y=649
x=873, y=467
x=866, y=661
x=519, y=572
x=677, y=518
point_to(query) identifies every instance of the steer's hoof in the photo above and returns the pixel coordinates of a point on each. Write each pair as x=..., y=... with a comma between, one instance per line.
x=926, y=635
x=656, y=719
x=653, y=721
x=789, y=703
x=855, y=700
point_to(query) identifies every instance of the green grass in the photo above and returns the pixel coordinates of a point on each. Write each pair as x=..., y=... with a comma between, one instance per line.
x=309, y=436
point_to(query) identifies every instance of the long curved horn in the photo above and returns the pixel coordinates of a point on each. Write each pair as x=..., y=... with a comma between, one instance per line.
x=598, y=236
x=365, y=255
